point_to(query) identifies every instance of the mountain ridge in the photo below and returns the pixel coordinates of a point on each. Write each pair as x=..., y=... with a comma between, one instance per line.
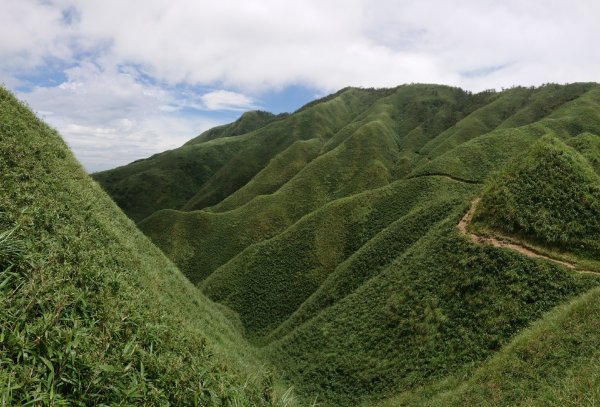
x=324, y=246
x=303, y=260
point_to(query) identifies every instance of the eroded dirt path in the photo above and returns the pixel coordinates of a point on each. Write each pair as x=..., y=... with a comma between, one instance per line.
x=477, y=239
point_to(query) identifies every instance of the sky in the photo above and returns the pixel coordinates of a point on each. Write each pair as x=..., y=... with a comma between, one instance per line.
x=125, y=79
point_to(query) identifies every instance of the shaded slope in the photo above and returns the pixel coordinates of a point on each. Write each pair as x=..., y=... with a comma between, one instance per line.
x=588, y=145
x=554, y=363
x=169, y=179
x=91, y=312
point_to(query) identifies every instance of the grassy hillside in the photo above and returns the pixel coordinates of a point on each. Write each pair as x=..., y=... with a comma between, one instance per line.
x=268, y=281
x=201, y=174
x=441, y=307
x=329, y=239
x=169, y=179
x=91, y=312
x=367, y=153
x=552, y=363
x=550, y=195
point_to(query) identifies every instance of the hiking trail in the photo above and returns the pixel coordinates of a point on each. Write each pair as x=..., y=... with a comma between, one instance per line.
x=478, y=239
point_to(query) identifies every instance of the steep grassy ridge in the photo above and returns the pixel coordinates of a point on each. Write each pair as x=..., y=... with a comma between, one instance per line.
x=280, y=170
x=552, y=363
x=321, y=121
x=368, y=261
x=91, y=313
x=550, y=195
x=491, y=150
x=510, y=109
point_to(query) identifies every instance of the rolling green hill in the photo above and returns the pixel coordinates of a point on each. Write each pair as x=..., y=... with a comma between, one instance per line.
x=327, y=249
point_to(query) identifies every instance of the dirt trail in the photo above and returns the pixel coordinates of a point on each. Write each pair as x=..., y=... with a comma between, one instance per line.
x=477, y=239
x=450, y=177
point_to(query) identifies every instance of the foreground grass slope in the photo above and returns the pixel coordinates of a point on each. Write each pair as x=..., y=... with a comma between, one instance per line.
x=91, y=313
x=554, y=363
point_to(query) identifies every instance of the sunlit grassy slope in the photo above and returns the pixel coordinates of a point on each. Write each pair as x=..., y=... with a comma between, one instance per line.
x=550, y=195
x=91, y=312
x=330, y=235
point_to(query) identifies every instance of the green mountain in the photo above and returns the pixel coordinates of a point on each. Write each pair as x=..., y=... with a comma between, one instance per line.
x=421, y=245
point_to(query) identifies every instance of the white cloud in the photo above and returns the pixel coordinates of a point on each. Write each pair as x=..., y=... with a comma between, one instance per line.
x=226, y=100
x=242, y=48
x=31, y=32
x=258, y=44
x=110, y=118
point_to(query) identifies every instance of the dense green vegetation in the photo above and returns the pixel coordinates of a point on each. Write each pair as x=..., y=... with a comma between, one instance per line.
x=552, y=363
x=91, y=312
x=440, y=308
x=328, y=239
x=201, y=174
x=549, y=195
x=375, y=148
x=285, y=270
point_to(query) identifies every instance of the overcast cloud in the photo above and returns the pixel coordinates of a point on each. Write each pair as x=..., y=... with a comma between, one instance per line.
x=124, y=79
